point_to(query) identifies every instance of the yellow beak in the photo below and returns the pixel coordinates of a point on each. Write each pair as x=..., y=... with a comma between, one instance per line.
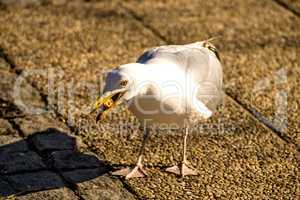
x=106, y=102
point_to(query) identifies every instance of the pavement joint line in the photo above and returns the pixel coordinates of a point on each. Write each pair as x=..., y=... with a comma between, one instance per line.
x=256, y=115
x=7, y=59
x=287, y=7
x=68, y=184
x=16, y=127
x=130, y=189
x=147, y=26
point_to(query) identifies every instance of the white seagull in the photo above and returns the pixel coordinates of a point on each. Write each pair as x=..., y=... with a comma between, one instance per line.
x=169, y=85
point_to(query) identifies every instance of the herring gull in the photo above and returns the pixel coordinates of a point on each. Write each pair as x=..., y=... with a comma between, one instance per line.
x=168, y=85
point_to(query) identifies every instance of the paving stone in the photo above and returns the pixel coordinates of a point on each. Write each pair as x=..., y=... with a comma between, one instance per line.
x=18, y=162
x=103, y=188
x=5, y=189
x=41, y=180
x=82, y=175
x=12, y=144
x=61, y=193
x=16, y=90
x=259, y=36
x=38, y=123
x=294, y=4
x=52, y=140
x=68, y=160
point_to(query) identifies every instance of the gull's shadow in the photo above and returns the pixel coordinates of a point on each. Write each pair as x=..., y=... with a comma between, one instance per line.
x=46, y=160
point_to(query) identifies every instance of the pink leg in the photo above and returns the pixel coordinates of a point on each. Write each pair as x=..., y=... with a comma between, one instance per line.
x=184, y=170
x=138, y=170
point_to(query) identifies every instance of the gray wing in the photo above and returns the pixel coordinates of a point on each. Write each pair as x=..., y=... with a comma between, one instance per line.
x=146, y=56
x=211, y=86
x=206, y=70
x=200, y=62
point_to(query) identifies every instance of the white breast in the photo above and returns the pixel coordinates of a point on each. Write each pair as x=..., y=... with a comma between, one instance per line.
x=165, y=101
x=153, y=112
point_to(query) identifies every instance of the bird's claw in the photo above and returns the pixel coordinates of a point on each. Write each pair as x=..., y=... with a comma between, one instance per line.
x=184, y=171
x=136, y=172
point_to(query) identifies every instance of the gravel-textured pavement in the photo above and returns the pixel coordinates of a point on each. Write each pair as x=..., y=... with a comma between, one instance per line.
x=54, y=55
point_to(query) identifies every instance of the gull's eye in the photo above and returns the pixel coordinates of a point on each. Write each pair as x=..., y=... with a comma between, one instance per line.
x=123, y=83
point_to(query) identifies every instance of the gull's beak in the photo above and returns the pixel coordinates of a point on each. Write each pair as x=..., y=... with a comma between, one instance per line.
x=107, y=101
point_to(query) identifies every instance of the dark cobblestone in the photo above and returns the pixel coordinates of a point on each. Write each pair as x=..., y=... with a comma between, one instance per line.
x=6, y=189
x=20, y=162
x=52, y=140
x=34, y=181
x=82, y=175
x=58, y=164
x=68, y=160
x=12, y=144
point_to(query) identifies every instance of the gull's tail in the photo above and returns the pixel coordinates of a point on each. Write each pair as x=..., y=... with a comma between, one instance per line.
x=207, y=44
x=212, y=39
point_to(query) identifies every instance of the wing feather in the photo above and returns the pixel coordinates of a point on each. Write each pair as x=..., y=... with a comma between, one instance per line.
x=199, y=62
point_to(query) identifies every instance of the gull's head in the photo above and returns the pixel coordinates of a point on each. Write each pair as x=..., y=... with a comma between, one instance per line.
x=120, y=86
